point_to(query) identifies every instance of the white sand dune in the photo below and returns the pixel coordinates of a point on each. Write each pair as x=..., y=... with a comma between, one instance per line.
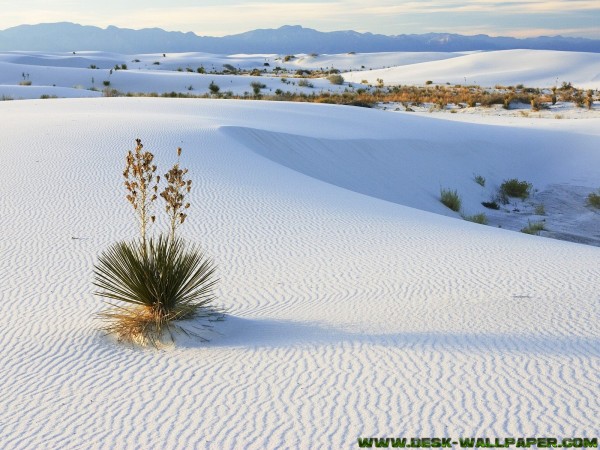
x=70, y=75
x=538, y=68
x=349, y=313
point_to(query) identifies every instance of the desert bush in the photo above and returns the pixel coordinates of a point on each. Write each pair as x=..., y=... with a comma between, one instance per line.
x=287, y=58
x=480, y=218
x=593, y=199
x=162, y=282
x=540, y=210
x=336, y=79
x=516, y=188
x=106, y=83
x=25, y=83
x=257, y=86
x=479, y=179
x=108, y=92
x=533, y=228
x=213, y=88
x=159, y=279
x=305, y=83
x=589, y=99
x=450, y=198
x=491, y=205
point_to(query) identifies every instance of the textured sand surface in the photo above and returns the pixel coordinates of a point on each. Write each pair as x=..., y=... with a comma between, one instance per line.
x=349, y=314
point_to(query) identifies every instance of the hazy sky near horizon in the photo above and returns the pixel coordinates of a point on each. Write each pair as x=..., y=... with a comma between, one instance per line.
x=222, y=17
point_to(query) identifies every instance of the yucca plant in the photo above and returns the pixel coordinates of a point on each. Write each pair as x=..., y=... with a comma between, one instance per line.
x=167, y=281
x=152, y=282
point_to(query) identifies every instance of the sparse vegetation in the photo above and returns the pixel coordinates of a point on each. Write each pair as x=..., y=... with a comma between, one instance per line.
x=533, y=228
x=336, y=79
x=491, y=205
x=479, y=179
x=213, y=88
x=257, y=86
x=305, y=83
x=540, y=210
x=593, y=199
x=480, y=218
x=516, y=188
x=451, y=199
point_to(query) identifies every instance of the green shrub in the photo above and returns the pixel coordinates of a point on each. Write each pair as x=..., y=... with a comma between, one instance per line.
x=540, y=210
x=516, y=188
x=213, y=88
x=305, y=83
x=491, y=205
x=479, y=179
x=480, y=218
x=450, y=199
x=336, y=79
x=257, y=86
x=162, y=282
x=106, y=83
x=533, y=228
x=594, y=199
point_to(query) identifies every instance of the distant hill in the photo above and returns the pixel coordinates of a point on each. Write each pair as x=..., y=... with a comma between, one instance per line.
x=287, y=39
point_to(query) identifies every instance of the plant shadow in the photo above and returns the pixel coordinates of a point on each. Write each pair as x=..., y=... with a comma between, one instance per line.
x=239, y=332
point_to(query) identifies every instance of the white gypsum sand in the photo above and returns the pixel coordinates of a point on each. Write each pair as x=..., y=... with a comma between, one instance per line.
x=85, y=73
x=349, y=313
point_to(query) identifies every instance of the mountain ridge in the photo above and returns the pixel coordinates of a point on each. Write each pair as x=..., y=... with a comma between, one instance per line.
x=67, y=36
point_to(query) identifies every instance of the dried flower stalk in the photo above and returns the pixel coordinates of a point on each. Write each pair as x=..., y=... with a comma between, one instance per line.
x=174, y=195
x=141, y=185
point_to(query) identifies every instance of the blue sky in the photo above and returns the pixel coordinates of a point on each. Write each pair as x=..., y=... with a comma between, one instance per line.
x=219, y=18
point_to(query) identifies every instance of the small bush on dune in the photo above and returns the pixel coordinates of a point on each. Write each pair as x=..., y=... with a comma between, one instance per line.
x=257, y=86
x=450, y=199
x=480, y=218
x=336, y=79
x=305, y=83
x=594, y=199
x=159, y=280
x=213, y=88
x=516, y=188
x=533, y=228
x=540, y=210
x=491, y=205
x=479, y=179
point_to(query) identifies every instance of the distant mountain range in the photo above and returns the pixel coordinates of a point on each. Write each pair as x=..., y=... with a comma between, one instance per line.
x=287, y=39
